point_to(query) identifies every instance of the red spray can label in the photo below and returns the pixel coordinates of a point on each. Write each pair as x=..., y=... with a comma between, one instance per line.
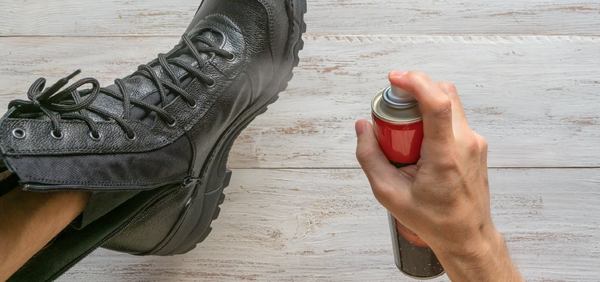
x=398, y=126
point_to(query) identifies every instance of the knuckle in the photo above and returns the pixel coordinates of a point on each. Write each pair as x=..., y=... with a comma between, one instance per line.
x=481, y=142
x=363, y=154
x=470, y=141
x=448, y=87
x=448, y=163
x=442, y=107
x=386, y=195
x=417, y=76
x=472, y=145
x=382, y=191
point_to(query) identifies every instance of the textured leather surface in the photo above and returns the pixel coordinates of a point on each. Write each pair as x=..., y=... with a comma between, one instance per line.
x=254, y=31
x=140, y=171
x=151, y=227
x=212, y=116
x=101, y=203
x=258, y=79
x=247, y=31
x=38, y=140
x=124, y=209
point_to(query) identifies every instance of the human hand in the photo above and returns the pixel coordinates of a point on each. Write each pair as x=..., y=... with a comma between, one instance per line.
x=444, y=198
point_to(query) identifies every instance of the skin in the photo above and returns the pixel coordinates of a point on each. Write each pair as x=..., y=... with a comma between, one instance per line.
x=445, y=197
x=30, y=220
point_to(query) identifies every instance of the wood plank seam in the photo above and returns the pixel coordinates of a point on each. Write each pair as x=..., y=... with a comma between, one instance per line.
x=398, y=37
x=555, y=80
x=408, y=38
x=357, y=167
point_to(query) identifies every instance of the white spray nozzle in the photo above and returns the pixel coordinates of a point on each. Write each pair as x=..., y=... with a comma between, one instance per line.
x=398, y=97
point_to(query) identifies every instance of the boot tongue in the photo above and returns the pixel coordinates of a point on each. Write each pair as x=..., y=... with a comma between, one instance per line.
x=141, y=88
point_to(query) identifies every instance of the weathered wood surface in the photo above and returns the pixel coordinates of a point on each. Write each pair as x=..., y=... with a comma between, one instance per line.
x=305, y=225
x=535, y=98
x=124, y=17
x=528, y=71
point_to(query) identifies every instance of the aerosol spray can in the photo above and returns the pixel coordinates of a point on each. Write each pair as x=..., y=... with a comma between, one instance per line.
x=398, y=126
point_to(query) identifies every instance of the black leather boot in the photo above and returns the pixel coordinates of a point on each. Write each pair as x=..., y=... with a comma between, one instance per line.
x=8, y=181
x=153, y=147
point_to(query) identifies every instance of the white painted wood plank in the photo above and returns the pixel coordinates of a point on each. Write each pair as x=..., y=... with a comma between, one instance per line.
x=92, y=18
x=306, y=225
x=455, y=17
x=123, y=17
x=535, y=98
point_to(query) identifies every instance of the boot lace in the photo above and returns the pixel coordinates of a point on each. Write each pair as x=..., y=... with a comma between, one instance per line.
x=70, y=102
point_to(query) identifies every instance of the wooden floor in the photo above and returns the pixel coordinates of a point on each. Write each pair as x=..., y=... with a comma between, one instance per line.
x=298, y=207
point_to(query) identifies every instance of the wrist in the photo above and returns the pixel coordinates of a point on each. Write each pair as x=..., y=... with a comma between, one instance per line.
x=484, y=259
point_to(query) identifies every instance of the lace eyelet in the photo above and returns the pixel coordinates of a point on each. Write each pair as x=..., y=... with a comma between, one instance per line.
x=211, y=84
x=95, y=137
x=56, y=135
x=231, y=59
x=193, y=105
x=172, y=124
x=18, y=133
x=134, y=137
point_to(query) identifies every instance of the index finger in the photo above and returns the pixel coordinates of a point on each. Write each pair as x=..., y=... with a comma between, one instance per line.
x=434, y=103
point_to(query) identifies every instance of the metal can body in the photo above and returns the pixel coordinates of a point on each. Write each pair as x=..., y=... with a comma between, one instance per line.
x=412, y=256
x=401, y=143
x=399, y=131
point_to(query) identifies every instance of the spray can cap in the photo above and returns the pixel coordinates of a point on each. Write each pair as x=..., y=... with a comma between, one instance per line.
x=397, y=97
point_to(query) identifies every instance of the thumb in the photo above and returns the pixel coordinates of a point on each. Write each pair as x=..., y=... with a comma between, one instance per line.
x=390, y=187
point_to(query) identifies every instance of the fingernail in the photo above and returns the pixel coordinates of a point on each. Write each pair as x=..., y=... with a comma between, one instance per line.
x=359, y=127
x=397, y=73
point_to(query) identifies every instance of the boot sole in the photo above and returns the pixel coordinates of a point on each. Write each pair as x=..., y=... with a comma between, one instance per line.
x=194, y=225
x=205, y=206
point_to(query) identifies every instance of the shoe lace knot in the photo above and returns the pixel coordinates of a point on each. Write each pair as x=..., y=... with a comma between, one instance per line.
x=73, y=102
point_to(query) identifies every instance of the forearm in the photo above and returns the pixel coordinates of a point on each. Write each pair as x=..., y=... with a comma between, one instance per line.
x=30, y=220
x=490, y=263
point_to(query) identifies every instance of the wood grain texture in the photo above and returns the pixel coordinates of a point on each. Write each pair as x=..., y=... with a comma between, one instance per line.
x=528, y=72
x=124, y=17
x=306, y=225
x=534, y=97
